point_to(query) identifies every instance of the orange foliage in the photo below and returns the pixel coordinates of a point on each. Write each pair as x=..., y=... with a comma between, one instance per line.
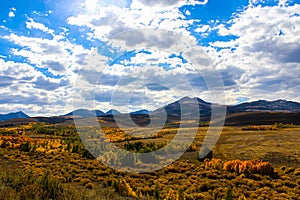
x=213, y=163
x=249, y=167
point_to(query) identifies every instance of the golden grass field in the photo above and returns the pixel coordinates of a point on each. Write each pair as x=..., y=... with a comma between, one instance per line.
x=40, y=161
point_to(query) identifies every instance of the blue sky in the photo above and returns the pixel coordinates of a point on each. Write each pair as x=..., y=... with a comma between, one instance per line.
x=45, y=46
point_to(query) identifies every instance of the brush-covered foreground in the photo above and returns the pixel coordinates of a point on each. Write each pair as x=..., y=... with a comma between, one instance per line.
x=40, y=161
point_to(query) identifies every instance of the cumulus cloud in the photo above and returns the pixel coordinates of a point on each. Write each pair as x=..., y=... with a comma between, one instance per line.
x=25, y=88
x=112, y=20
x=11, y=13
x=55, y=54
x=31, y=24
x=148, y=85
x=47, y=84
x=164, y=5
x=266, y=50
x=6, y=81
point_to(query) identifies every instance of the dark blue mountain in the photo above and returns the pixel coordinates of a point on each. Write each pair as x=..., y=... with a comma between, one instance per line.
x=15, y=115
x=196, y=106
x=190, y=107
x=140, y=112
x=85, y=113
x=266, y=106
x=112, y=112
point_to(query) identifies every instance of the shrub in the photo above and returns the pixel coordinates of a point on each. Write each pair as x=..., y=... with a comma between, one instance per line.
x=52, y=188
x=124, y=189
x=297, y=172
x=171, y=195
x=156, y=191
x=40, y=150
x=25, y=146
x=289, y=170
x=203, y=187
x=89, y=186
x=5, y=144
x=213, y=163
x=228, y=194
x=249, y=167
x=260, y=128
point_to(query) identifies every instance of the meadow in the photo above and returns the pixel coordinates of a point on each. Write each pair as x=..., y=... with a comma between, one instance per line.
x=49, y=161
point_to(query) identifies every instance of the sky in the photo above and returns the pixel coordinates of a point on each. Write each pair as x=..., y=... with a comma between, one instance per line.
x=142, y=54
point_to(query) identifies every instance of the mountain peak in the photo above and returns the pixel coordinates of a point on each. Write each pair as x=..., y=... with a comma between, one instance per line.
x=141, y=112
x=112, y=112
x=190, y=99
x=186, y=98
x=85, y=113
x=13, y=115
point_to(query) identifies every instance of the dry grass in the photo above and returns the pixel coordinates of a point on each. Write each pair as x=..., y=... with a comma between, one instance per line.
x=184, y=179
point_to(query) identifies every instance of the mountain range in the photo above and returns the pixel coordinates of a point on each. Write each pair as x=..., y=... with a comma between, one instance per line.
x=192, y=106
x=8, y=116
x=266, y=106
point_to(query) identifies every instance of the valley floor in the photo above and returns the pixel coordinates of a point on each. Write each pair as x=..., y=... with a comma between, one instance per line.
x=49, y=162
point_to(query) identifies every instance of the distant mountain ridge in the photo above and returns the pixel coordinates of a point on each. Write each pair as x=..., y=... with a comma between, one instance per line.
x=192, y=107
x=112, y=112
x=85, y=113
x=15, y=115
x=141, y=112
x=204, y=108
x=189, y=107
x=266, y=106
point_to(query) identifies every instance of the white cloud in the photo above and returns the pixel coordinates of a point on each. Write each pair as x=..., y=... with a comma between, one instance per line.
x=11, y=13
x=52, y=54
x=122, y=80
x=203, y=29
x=24, y=88
x=164, y=5
x=108, y=21
x=31, y=90
x=267, y=50
x=39, y=26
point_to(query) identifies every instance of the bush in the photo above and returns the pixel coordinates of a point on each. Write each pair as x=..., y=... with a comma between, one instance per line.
x=171, y=195
x=260, y=128
x=213, y=163
x=203, y=187
x=124, y=189
x=228, y=194
x=5, y=144
x=89, y=186
x=21, y=184
x=249, y=167
x=156, y=192
x=26, y=146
